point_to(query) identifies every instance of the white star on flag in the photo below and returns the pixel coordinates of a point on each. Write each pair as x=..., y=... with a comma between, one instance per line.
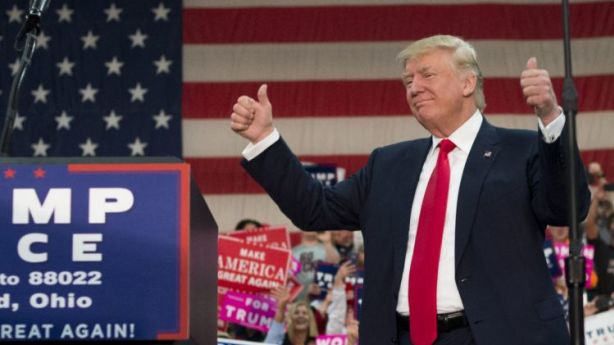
x=162, y=119
x=163, y=65
x=89, y=40
x=18, y=123
x=64, y=14
x=65, y=66
x=137, y=147
x=138, y=39
x=112, y=120
x=88, y=94
x=40, y=148
x=14, y=67
x=40, y=94
x=161, y=12
x=113, y=13
x=63, y=120
x=42, y=40
x=14, y=14
x=88, y=148
x=138, y=93
x=114, y=66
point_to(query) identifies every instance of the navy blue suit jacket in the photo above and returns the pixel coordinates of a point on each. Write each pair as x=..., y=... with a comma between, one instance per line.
x=513, y=185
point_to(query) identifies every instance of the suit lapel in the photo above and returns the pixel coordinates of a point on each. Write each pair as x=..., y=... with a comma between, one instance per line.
x=483, y=153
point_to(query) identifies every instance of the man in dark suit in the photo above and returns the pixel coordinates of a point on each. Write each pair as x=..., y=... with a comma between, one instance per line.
x=453, y=224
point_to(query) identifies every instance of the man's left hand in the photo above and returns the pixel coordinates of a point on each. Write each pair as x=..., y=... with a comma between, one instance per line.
x=538, y=92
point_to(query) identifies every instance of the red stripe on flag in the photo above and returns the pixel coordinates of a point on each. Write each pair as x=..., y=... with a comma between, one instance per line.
x=226, y=176
x=394, y=22
x=370, y=97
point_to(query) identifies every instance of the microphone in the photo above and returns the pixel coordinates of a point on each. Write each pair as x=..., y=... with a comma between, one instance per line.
x=32, y=23
x=37, y=7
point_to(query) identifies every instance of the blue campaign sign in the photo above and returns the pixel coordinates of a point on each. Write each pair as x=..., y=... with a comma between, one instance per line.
x=325, y=277
x=94, y=251
x=325, y=173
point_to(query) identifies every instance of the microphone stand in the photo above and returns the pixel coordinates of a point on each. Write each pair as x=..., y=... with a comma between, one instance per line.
x=575, y=262
x=30, y=31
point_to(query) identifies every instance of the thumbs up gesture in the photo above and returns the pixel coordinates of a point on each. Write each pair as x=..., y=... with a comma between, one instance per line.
x=538, y=92
x=253, y=119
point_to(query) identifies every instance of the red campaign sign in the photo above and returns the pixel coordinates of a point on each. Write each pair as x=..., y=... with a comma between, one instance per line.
x=295, y=287
x=250, y=268
x=270, y=237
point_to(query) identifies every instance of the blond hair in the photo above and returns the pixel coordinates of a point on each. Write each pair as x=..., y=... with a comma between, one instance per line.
x=463, y=53
x=313, y=328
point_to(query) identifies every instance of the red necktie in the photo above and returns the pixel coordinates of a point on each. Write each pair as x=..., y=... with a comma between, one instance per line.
x=425, y=259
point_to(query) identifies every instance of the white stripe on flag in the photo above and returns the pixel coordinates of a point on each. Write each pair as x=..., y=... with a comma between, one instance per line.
x=377, y=60
x=360, y=135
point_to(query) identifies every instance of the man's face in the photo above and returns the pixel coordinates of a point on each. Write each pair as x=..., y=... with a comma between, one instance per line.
x=435, y=90
x=343, y=237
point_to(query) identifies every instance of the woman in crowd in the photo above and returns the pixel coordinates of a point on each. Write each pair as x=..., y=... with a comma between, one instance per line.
x=301, y=327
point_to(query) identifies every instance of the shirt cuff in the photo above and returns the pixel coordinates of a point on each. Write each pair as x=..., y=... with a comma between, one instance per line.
x=553, y=130
x=253, y=150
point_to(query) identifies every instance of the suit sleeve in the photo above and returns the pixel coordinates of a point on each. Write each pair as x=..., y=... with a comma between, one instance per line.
x=550, y=182
x=309, y=204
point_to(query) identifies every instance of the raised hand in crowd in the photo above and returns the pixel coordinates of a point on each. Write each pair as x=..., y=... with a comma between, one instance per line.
x=253, y=119
x=591, y=226
x=337, y=310
x=345, y=270
x=282, y=296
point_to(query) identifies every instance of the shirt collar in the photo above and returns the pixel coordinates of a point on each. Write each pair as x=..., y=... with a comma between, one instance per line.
x=464, y=136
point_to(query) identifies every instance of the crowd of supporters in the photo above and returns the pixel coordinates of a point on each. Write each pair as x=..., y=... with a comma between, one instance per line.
x=598, y=237
x=315, y=311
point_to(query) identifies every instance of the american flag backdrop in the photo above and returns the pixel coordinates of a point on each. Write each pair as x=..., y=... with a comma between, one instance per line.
x=330, y=65
x=105, y=79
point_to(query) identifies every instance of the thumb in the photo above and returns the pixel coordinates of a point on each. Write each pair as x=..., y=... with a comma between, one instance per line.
x=532, y=63
x=263, y=98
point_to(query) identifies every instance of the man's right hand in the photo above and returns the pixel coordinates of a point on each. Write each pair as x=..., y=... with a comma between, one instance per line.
x=253, y=119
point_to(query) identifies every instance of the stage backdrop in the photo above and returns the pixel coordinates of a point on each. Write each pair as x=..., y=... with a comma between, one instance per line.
x=151, y=70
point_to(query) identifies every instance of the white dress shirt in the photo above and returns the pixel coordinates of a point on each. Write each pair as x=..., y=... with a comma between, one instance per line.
x=448, y=297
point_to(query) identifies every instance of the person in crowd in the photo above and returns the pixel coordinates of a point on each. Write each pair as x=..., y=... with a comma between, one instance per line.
x=605, y=211
x=300, y=327
x=453, y=224
x=313, y=249
x=248, y=224
x=337, y=309
x=344, y=243
x=604, y=251
x=310, y=252
x=560, y=239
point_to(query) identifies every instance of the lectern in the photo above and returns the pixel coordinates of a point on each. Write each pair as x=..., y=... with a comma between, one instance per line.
x=116, y=250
